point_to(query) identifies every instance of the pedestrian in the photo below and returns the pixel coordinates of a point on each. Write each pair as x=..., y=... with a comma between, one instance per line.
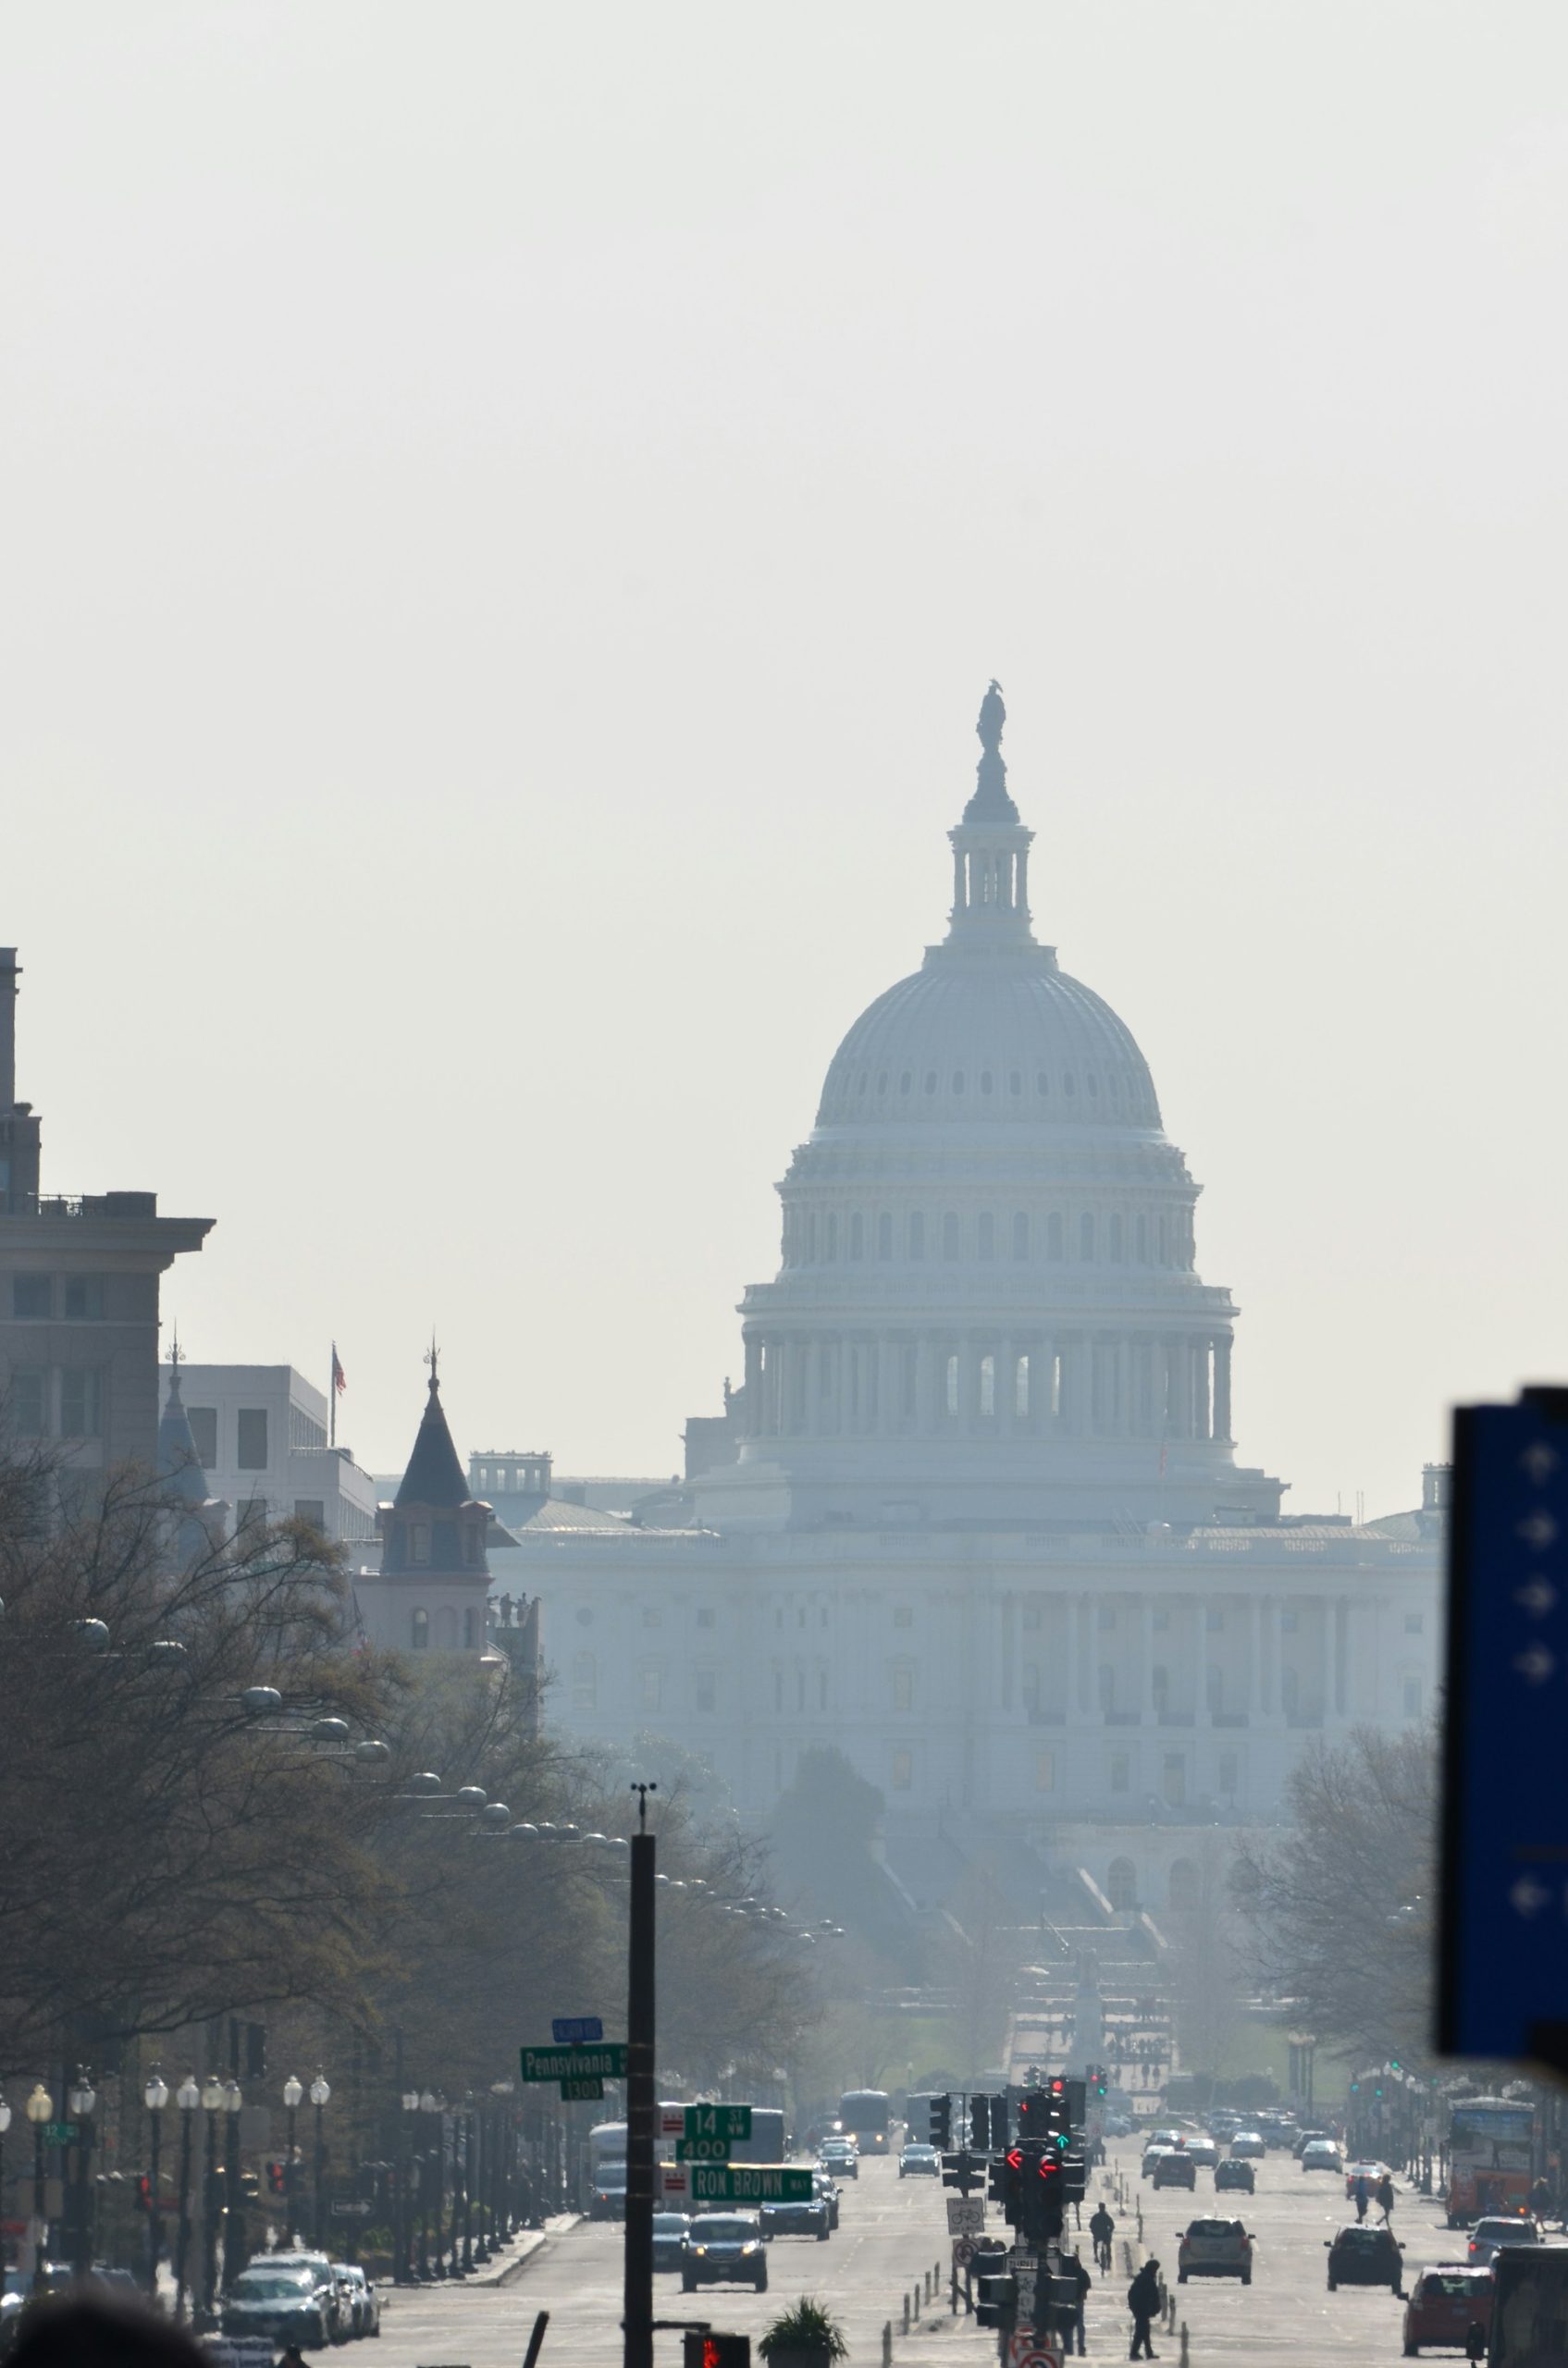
x=1143, y=2302
x=1361, y=2195
x=1073, y=2268
x=1540, y=2199
x=1386, y=2198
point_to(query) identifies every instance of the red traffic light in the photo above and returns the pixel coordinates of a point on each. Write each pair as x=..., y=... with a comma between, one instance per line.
x=1014, y=2158
x=1058, y=2088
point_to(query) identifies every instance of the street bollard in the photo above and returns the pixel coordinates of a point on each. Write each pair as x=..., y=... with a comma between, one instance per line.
x=905, y=2315
x=1183, y=2344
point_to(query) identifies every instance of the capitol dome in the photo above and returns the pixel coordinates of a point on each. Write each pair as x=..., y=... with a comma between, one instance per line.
x=988, y=1307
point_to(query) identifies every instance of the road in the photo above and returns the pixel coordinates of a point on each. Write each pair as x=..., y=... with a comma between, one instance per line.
x=892, y=2231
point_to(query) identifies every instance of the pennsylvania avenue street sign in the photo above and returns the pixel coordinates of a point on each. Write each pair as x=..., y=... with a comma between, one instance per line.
x=571, y=2030
x=579, y=2089
x=737, y=2183
x=606, y=2063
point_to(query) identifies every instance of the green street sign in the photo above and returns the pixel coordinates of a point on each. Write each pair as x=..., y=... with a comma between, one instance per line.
x=748, y=2183
x=578, y=2090
x=61, y=2133
x=732, y=2123
x=607, y=2062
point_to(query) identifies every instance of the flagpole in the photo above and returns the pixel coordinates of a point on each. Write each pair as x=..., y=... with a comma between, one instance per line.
x=332, y=1400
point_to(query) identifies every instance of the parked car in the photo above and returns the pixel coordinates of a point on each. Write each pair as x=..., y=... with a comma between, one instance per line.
x=1214, y=2248
x=291, y=2304
x=724, y=2248
x=668, y=2237
x=320, y=2268
x=1247, y=2145
x=1321, y=2154
x=1360, y=2255
x=1445, y=2302
x=822, y=2181
x=919, y=2162
x=1174, y=2167
x=1232, y=2175
x=1488, y=2237
x=364, y=2304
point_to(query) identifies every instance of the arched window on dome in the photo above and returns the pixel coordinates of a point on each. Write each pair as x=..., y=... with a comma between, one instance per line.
x=1054, y=1233
x=950, y=1388
x=1020, y=1234
x=917, y=1236
x=419, y=1631
x=1020, y=1390
x=446, y=1629
x=884, y=1236
x=857, y=1236
x=1086, y=1235
x=1116, y=1237
x=1121, y=1885
x=1165, y=1242
x=950, y=1235
x=833, y=1235
x=986, y=1235
x=1141, y=1240
x=988, y=1389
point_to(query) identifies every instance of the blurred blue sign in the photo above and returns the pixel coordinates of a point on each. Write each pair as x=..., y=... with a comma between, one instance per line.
x=1503, y=1937
x=576, y=2030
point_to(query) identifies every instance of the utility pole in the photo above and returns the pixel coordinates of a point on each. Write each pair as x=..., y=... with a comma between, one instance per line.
x=637, y=2311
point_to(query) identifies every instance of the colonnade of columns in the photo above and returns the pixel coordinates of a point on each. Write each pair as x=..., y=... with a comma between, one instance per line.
x=1079, y=1383
x=1183, y=1660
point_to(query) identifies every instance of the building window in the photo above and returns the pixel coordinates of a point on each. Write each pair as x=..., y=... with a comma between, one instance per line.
x=29, y=1402
x=1032, y=1612
x=917, y=1236
x=1121, y=1885
x=203, y=1431
x=585, y=1682
x=419, y=1541
x=903, y=1688
x=471, y=1544
x=1054, y=1233
x=1020, y=1390
x=903, y=1770
x=1116, y=1237
x=1142, y=1241
x=471, y=1629
x=312, y=1510
x=1413, y=1697
x=652, y=1688
x=1121, y=1772
x=821, y=1686
x=251, y=1455
x=1184, y=1887
x=84, y=1298
x=31, y=1297
x=1086, y=1235
x=1108, y=1682
x=988, y=1386
x=1104, y=1615
x=251, y=1514
x=81, y=1403
x=1227, y=1771
x=904, y=1616
x=419, y=1632
x=951, y=1393
x=1175, y=1779
x=705, y=1615
x=909, y=1377
x=833, y=1234
x=1414, y=1623
x=986, y=1235
x=778, y=1689
x=1214, y=1689
x=1045, y=1771
x=1020, y=1235
x=884, y=1236
x=706, y=1690
x=950, y=1235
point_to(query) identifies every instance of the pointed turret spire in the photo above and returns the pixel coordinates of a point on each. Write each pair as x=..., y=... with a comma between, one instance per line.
x=433, y=1476
x=178, y=1463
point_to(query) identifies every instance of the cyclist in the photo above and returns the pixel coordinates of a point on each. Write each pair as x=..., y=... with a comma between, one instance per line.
x=1102, y=2227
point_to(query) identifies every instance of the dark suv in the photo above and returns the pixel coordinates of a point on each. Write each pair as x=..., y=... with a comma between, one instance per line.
x=724, y=2248
x=1362, y=2256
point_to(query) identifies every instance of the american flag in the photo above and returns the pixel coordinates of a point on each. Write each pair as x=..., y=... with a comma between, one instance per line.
x=339, y=1379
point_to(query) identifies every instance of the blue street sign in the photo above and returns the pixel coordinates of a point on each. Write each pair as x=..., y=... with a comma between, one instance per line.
x=1503, y=1945
x=575, y=2031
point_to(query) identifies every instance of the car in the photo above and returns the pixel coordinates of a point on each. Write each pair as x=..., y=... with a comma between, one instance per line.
x=822, y=2183
x=1214, y=2248
x=363, y=2302
x=1204, y=2152
x=1370, y=2172
x=320, y=2268
x=1231, y=2175
x=1303, y=2137
x=807, y=2219
x=1321, y=2154
x=1281, y=2133
x=287, y=2304
x=1364, y=2256
x=1247, y=2145
x=724, y=2248
x=670, y=2230
x=919, y=2162
x=840, y=2157
x=1488, y=2237
x=1174, y=2167
x=1445, y=2302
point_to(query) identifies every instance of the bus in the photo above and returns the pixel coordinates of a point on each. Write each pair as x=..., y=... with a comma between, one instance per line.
x=607, y=2171
x=1489, y=2149
x=863, y=2116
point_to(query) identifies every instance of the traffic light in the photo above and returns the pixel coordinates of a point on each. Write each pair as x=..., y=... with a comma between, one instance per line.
x=701, y=2349
x=1012, y=2185
x=1042, y=2194
x=997, y=2185
x=980, y=2125
x=942, y=2121
x=277, y=2180
x=998, y=2303
x=1099, y=2080
x=143, y=2193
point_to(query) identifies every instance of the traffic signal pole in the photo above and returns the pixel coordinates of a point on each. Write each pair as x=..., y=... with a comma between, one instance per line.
x=637, y=2307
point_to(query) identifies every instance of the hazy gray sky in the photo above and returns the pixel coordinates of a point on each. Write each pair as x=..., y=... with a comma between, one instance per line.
x=508, y=515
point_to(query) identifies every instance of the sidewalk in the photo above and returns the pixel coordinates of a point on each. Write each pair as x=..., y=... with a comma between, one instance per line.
x=512, y=2259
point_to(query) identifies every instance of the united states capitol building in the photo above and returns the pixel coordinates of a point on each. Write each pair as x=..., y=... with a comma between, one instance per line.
x=976, y=1515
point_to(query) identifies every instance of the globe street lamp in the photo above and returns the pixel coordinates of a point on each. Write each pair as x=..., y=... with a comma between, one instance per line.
x=320, y=2095
x=428, y=2104
x=40, y=2110
x=212, y=2105
x=187, y=2096
x=292, y=2093
x=234, y=2213
x=155, y=2096
x=403, y=2259
x=83, y=2097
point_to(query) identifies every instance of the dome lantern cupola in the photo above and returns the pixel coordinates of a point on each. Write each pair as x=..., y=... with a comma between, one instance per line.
x=991, y=847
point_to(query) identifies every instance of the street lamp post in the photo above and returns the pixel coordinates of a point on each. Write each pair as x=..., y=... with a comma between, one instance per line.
x=187, y=2096
x=212, y=2105
x=427, y=2105
x=320, y=2095
x=467, y=2261
x=234, y=2208
x=5, y=2125
x=83, y=2097
x=292, y=2093
x=403, y=2254
x=40, y=2110
x=155, y=2096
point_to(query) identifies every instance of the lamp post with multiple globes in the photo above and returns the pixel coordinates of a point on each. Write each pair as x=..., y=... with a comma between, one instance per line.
x=82, y=2101
x=5, y=2125
x=320, y=2095
x=234, y=2209
x=155, y=2096
x=293, y=2092
x=187, y=2096
x=40, y=2110
x=402, y=2249
x=212, y=2105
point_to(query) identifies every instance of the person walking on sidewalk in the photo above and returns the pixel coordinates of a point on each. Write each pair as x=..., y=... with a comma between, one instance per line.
x=1073, y=2268
x=1385, y=2194
x=1143, y=2302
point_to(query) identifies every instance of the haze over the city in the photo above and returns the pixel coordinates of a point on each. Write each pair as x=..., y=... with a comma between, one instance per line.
x=510, y=513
